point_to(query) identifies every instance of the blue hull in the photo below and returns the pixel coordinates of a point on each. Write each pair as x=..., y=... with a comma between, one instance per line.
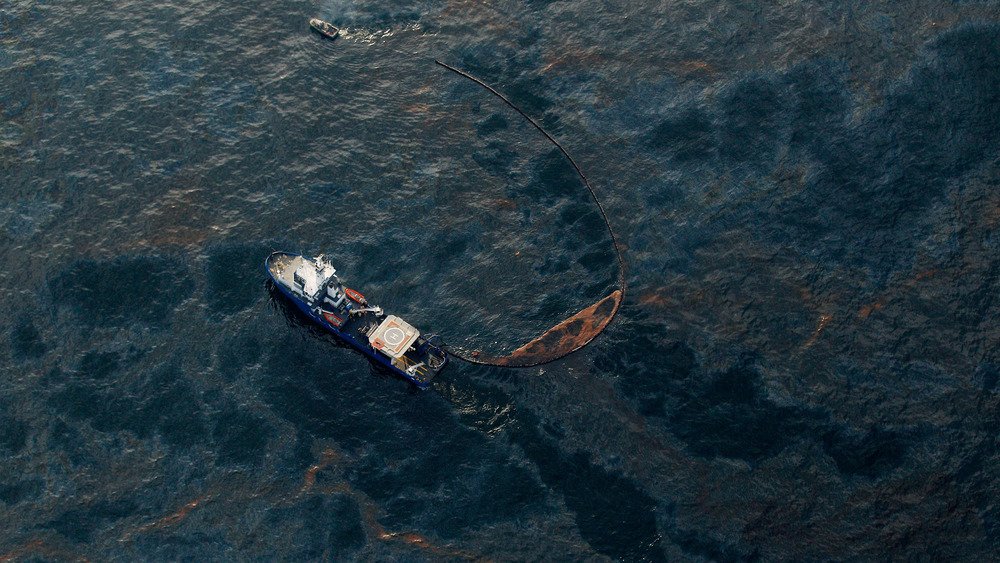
x=351, y=337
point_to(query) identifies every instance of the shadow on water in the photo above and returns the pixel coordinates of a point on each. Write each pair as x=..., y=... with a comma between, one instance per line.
x=730, y=412
x=143, y=289
x=613, y=515
x=394, y=454
x=226, y=293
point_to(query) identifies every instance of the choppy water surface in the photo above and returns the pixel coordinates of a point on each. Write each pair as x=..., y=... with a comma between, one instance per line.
x=805, y=366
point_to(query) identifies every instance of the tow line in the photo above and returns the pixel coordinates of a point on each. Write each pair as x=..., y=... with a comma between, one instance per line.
x=577, y=331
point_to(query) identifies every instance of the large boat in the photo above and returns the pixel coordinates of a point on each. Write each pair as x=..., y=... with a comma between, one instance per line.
x=314, y=287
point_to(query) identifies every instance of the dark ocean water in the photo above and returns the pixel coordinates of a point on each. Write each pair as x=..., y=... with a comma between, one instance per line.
x=805, y=367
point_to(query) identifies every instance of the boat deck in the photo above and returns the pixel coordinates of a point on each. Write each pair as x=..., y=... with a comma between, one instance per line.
x=424, y=365
x=283, y=269
x=421, y=367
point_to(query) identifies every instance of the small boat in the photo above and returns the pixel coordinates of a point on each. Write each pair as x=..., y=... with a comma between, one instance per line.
x=324, y=28
x=314, y=287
